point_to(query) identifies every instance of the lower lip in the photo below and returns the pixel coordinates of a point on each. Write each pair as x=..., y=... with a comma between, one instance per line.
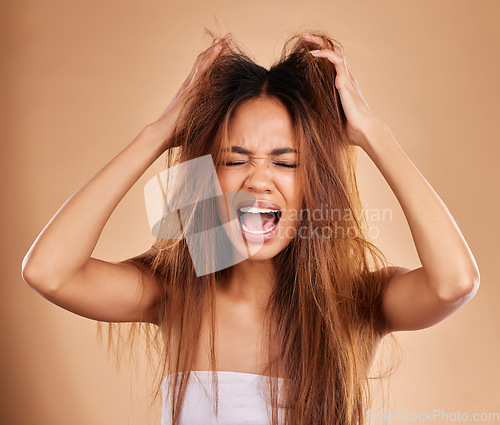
x=260, y=238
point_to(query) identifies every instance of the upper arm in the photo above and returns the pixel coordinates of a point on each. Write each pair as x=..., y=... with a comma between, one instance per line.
x=410, y=303
x=108, y=292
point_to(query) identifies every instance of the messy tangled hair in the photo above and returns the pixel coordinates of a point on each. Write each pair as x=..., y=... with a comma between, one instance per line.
x=323, y=317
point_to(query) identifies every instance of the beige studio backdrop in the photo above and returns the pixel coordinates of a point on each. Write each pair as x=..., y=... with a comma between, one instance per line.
x=81, y=79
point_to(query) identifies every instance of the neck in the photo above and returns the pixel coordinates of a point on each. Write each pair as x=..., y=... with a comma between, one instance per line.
x=250, y=282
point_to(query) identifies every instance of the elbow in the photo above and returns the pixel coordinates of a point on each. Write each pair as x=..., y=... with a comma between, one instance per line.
x=471, y=283
x=28, y=272
x=35, y=279
x=29, y=275
x=461, y=289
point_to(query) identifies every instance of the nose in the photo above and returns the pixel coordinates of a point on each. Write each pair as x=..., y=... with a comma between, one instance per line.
x=259, y=180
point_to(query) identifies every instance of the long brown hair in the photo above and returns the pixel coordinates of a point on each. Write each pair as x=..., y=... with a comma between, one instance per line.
x=324, y=318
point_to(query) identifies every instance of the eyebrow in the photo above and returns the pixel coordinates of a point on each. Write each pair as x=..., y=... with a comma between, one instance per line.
x=276, y=151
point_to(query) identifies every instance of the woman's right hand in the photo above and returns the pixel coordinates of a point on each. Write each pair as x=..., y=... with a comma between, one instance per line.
x=165, y=122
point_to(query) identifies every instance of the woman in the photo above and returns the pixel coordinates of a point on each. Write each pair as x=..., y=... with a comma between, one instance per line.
x=279, y=293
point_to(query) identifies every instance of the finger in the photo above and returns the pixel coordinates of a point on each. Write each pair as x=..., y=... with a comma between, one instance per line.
x=219, y=46
x=321, y=42
x=213, y=51
x=316, y=39
x=313, y=39
x=338, y=60
x=350, y=74
x=347, y=67
x=206, y=58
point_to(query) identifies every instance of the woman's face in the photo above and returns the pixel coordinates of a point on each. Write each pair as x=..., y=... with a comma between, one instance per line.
x=259, y=178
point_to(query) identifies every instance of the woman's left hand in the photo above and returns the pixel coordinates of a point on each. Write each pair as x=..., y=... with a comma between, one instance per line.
x=361, y=121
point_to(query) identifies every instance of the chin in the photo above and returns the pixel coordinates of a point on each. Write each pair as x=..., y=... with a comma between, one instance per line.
x=266, y=253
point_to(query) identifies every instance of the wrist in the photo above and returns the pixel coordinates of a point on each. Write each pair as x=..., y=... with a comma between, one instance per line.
x=373, y=133
x=160, y=132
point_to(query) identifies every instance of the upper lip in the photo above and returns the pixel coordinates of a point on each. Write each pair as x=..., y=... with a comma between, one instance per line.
x=259, y=204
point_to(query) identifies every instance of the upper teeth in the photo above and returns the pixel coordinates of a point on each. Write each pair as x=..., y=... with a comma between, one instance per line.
x=257, y=210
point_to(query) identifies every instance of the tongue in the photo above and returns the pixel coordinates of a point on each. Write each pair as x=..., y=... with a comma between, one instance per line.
x=258, y=222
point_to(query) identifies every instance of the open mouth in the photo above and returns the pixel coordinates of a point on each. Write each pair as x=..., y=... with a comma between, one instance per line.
x=258, y=217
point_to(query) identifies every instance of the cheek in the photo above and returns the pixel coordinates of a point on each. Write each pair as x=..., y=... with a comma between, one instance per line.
x=291, y=189
x=224, y=181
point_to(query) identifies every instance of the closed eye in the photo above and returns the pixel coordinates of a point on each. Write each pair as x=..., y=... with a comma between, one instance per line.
x=284, y=164
x=281, y=164
x=230, y=164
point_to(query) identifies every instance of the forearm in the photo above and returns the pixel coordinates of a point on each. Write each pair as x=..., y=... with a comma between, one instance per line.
x=67, y=241
x=446, y=259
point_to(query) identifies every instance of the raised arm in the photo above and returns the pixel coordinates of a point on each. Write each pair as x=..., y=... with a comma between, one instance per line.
x=59, y=264
x=449, y=276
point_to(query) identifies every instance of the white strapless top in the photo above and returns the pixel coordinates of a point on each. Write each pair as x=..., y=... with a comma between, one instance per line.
x=241, y=400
